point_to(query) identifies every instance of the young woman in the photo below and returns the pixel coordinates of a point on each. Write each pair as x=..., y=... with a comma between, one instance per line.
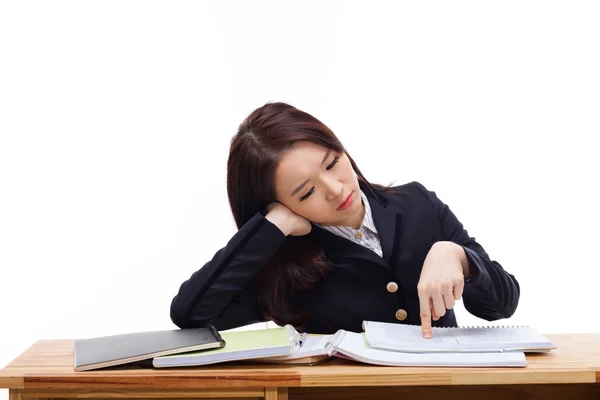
x=322, y=248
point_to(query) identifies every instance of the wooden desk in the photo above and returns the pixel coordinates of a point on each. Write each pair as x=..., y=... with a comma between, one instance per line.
x=45, y=370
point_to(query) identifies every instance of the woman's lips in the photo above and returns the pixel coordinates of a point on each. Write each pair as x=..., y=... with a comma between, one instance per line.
x=346, y=203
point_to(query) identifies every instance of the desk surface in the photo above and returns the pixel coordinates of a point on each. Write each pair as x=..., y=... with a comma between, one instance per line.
x=48, y=364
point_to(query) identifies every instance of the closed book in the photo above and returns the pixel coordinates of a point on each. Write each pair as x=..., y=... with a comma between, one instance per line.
x=113, y=350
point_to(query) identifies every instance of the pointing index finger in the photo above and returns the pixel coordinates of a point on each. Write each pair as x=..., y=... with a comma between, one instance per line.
x=425, y=318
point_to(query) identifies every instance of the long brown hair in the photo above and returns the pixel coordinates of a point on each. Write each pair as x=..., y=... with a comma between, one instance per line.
x=262, y=139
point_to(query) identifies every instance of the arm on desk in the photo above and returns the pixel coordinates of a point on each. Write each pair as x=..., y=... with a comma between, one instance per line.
x=221, y=292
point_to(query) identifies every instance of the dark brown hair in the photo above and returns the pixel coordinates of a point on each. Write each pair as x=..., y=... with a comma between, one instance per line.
x=262, y=139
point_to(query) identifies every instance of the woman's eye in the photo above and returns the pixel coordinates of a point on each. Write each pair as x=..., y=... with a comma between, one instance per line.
x=335, y=160
x=307, y=195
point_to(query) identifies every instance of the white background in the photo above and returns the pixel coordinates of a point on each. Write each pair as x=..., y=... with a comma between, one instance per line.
x=115, y=121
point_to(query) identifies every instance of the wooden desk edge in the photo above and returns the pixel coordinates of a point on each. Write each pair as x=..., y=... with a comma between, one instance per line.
x=7, y=382
x=387, y=377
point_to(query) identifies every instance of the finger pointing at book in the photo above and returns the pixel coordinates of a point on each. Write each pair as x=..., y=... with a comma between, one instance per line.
x=441, y=282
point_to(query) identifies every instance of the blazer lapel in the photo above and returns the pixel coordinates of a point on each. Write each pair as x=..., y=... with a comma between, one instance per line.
x=389, y=224
x=388, y=221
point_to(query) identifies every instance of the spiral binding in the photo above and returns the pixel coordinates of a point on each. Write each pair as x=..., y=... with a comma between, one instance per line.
x=476, y=326
x=479, y=327
x=493, y=327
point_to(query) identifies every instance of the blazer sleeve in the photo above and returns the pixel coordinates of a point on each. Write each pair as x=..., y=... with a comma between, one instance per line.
x=220, y=293
x=492, y=293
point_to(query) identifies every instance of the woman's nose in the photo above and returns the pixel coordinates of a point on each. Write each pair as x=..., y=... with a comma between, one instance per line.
x=334, y=189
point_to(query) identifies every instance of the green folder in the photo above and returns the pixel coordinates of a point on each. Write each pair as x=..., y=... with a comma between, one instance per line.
x=239, y=345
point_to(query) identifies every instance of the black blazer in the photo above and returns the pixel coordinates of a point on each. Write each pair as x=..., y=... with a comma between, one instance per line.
x=356, y=288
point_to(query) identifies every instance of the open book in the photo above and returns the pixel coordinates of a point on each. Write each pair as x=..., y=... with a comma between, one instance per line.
x=353, y=346
x=408, y=338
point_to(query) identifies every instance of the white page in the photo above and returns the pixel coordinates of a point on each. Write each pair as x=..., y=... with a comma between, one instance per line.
x=407, y=337
x=414, y=334
x=476, y=339
x=352, y=345
x=504, y=335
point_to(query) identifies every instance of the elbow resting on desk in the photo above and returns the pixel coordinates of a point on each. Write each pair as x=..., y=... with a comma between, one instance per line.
x=492, y=293
x=493, y=306
x=179, y=315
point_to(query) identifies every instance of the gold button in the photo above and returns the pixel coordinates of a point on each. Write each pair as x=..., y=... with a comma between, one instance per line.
x=370, y=248
x=359, y=235
x=392, y=287
x=401, y=315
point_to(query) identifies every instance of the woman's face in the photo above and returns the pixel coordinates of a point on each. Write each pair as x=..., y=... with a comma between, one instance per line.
x=314, y=181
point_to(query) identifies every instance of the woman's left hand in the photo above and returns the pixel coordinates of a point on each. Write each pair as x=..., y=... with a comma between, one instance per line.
x=441, y=283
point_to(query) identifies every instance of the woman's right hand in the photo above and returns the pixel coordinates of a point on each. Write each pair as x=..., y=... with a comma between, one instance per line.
x=286, y=220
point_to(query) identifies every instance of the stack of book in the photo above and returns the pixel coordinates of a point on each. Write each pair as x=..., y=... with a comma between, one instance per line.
x=379, y=343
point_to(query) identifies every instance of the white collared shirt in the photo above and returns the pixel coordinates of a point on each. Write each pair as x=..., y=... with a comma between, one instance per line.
x=366, y=235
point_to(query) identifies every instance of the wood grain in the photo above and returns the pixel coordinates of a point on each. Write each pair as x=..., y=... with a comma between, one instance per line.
x=15, y=394
x=491, y=392
x=276, y=394
x=283, y=394
x=144, y=393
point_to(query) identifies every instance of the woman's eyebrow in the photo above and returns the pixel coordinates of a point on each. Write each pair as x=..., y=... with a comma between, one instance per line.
x=300, y=187
x=306, y=181
x=326, y=156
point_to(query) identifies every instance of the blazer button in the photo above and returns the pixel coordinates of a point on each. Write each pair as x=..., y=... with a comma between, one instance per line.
x=358, y=235
x=392, y=287
x=401, y=315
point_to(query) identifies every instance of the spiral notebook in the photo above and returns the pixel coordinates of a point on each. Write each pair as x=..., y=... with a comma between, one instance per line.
x=408, y=338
